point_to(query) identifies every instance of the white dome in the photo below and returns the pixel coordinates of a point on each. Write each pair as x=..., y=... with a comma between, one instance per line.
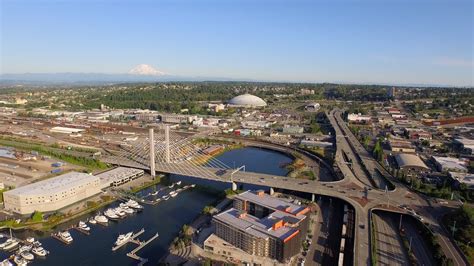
x=247, y=100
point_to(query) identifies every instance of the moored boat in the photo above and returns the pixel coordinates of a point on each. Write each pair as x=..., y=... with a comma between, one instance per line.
x=20, y=261
x=122, y=239
x=27, y=255
x=40, y=251
x=101, y=219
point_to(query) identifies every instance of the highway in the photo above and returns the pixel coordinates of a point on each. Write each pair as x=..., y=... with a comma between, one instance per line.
x=420, y=250
x=352, y=189
x=390, y=250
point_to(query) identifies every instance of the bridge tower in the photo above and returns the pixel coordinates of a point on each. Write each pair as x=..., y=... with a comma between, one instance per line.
x=151, y=137
x=167, y=143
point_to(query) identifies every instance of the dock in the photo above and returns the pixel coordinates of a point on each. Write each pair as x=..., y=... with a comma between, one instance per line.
x=132, y=239
x=133, y=254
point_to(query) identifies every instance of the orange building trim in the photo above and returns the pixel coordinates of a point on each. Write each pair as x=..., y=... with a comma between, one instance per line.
x=291, y=236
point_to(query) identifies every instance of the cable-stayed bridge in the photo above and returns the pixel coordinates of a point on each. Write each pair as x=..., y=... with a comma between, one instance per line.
x=168, y=152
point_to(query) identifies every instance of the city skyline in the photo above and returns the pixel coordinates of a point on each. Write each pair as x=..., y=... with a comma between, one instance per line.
x=395, y=42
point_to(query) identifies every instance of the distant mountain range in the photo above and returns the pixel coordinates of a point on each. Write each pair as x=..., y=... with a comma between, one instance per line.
x=140, y=73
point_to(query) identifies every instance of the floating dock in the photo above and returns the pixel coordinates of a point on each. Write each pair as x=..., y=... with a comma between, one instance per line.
x=133, y=254
x=132, y=239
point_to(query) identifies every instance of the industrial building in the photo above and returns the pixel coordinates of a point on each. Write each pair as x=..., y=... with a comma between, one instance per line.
x=262, y=225
x=52, y=194
x=411, y=164
x=450, y=164
x=119, y=176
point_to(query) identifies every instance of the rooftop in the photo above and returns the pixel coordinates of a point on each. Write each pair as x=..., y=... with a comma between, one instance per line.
x=409, y=160
x=53, y=185
x=270, y=202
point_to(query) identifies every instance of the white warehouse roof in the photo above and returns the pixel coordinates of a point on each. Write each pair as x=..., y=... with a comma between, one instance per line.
x=247, y=100
x=54, y=185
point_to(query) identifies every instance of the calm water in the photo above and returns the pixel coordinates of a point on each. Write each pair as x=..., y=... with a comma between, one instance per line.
x=166, y=218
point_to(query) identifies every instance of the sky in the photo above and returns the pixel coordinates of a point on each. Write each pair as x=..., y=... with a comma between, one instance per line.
x=348, y=41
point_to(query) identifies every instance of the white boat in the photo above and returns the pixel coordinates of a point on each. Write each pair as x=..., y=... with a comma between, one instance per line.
x=92, y=220
x=101, y=219
x=166, y=197
x=110, y=213
x=37, y=244
x=66, y=236
x=172, y=185
x=119, y=212
x=178, y=183
x=7, y=242
x=25, y=248
x=20, y=261
x=6, y=262
x=11, y=245
x=122, y=239
x=133, y=204
x=173, y=194
x=154, y=193
x=82, y=225
x=30, y=240
x=193, y=185
x=128, y=210
x=27, y=255
x=40, y=251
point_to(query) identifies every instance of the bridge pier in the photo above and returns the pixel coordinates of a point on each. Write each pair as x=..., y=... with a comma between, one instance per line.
x=234, y=186
x=151, y=137
x=313, y=197
x=167, y=143
x=272, y=191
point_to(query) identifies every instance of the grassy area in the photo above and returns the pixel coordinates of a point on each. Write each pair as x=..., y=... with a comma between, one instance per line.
x=58, y=153
x=464, y=234
x=373, y=247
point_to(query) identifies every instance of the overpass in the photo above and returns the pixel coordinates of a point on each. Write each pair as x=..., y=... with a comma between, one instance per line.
x=174, y=154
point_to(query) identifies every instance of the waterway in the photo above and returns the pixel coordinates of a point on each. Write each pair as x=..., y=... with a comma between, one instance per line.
x=166, y=218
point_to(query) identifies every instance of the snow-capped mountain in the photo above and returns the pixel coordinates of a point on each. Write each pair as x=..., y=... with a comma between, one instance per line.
x=146, y=70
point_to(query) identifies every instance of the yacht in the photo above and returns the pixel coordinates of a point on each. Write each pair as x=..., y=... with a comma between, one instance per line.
x=172, y=185
x=178, y=183
x=20, y=261
x=101, y=219
x=6, y=262
x=66, y=236
x=126, y=209
x=30, y=240
x=110, y=213
x=122, y=239
x=173, y=194
x=13, y=243
x=92, y=220
x=166, y=197
x=133, y=204
x=154, y=193
x=119, y=212
x=193, y=185
x=25, y=248
x=7, y=242
x=82, y=225
x=27, y=255
x=40, y=251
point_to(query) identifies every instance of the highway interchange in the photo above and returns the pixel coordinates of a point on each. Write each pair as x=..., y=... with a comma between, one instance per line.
x=362, y=187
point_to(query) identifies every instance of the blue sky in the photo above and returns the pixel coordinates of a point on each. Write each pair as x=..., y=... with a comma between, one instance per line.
x=374, y=41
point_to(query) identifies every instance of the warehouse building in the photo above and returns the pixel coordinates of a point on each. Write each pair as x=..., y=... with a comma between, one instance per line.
x=119, y=176
x=411, y=164
x=52, y=194
x=262, y=225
